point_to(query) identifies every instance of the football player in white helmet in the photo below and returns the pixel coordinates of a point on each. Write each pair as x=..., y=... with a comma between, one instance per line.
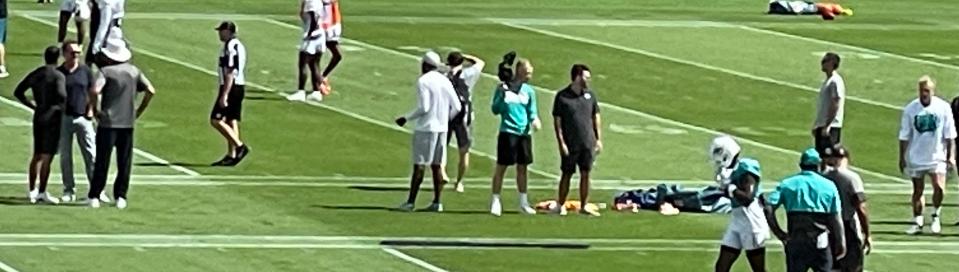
x=724, y=155
x=739, y=179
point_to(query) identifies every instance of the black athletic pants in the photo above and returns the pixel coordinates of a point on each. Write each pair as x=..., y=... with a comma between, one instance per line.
x=107, y=139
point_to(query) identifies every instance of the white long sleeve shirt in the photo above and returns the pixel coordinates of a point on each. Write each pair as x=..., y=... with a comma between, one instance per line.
x=927, y=128
x=111, y=16
x=436, y=103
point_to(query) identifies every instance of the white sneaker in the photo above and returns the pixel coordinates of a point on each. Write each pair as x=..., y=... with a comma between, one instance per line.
x=33, y=196
x=297, y=96
x=496, y=208
x=315, y=96
x=460, y=187
x=104, y=198
x=68, y=198
x=49, y=199
x=526, y=209
x=93, y=203
x=121, y=203
x=914, y=230
x=3, y=72
x=435, y=207
x=559, y=210
x=936, y=225
x=405, y=207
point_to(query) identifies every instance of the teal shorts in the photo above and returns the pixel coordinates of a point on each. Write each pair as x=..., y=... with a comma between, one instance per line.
x=3, y=30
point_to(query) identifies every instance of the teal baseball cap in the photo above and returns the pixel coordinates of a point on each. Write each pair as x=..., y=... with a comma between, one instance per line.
x=810, y=157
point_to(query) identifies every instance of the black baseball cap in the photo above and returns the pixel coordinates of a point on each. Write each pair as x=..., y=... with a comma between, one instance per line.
x=836, y=151
x=229, y=25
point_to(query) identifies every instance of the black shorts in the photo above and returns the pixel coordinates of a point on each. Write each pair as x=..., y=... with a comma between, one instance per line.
x=234, y=105
x=582, y=158
x=46, y=135
x=514, y=149
x=462, y=132
x=835, y=136
x=853, y=261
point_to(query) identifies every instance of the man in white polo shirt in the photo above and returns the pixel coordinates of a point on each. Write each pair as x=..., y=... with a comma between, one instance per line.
x=436, y=104
x=827, y=130
x=927, y=148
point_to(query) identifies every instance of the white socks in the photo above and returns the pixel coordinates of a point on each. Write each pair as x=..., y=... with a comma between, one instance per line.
x=523, y=200
x=918, y=220
x=936, y=211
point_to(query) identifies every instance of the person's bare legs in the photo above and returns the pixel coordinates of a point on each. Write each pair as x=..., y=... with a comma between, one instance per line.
x=564, y=180
x=496, y=208
x=44, y=168
x=416, y=180
x=62, y=25
x=437, y=182
x=229, y=134
x=727, y=257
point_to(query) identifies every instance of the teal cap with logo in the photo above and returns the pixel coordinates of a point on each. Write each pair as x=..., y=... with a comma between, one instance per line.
x=810, y=157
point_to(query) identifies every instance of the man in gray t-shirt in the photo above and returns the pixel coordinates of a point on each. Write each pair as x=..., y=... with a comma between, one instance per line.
x=118, y=84
x=827, y=129
x=855, y=217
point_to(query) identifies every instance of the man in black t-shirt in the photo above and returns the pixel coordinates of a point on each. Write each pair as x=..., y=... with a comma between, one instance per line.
x=48, y=86
x=577, y=124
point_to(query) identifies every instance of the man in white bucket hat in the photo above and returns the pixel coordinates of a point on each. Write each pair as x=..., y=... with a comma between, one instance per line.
x=118, y=82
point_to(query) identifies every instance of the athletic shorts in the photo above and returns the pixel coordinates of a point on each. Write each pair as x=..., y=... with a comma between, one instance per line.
x=514, y=149
x=581, y=158
x=463, y=134
x=79, y=8
x=234, y=105
x=429, y=148
x=334, y=33
x=3, y=31
x=744, y=233
x=921, y=171
x=853, y=261
x=834, y=137
x=313, y=46
x=46, y=135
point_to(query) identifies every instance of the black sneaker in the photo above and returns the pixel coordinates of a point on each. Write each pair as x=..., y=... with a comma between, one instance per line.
x=241, y=153
x=226, y=160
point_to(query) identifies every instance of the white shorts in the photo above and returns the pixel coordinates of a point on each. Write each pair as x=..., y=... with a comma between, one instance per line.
x=313, y=46
x=429, y=148
x=333, y=33
x=79, y=8
x=747, y=228
x=919, y=172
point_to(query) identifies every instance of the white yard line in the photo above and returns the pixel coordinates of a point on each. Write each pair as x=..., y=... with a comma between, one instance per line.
x=618, y=108
x=692, y=63
x=136, y=151
x=538, y=184
x=598, y=22
x=7, y=268
x=708, y=67
x=279, y=93
x=373, y=242
x=853, y=47
x=413, y=260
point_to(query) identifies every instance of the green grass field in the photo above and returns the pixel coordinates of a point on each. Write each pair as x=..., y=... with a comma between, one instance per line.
x=317, y=191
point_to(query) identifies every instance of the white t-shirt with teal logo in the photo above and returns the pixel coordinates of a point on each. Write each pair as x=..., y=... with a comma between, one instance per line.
x=927, y=128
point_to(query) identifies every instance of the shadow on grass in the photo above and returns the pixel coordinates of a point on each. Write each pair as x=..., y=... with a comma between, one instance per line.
x=926, y=232
x=891, y=222
x=382, y=188
x=23, y=201
x=394, y=209
x=183, y=164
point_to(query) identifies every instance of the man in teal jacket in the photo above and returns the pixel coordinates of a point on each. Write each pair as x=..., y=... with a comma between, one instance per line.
x=515, y=103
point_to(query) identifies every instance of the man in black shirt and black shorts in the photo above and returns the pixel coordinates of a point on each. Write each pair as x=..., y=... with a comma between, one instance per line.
x=225, y=117
x=577, y=124
x=49, y=94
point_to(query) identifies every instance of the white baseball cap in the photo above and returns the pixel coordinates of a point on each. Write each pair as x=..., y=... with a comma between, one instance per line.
x=432, y=58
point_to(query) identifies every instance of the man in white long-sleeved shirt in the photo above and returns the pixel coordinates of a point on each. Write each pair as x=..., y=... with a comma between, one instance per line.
x=926, y=148
x=436, y=104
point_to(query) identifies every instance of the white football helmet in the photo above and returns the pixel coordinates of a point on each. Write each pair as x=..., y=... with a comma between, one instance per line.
x=722, y=151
